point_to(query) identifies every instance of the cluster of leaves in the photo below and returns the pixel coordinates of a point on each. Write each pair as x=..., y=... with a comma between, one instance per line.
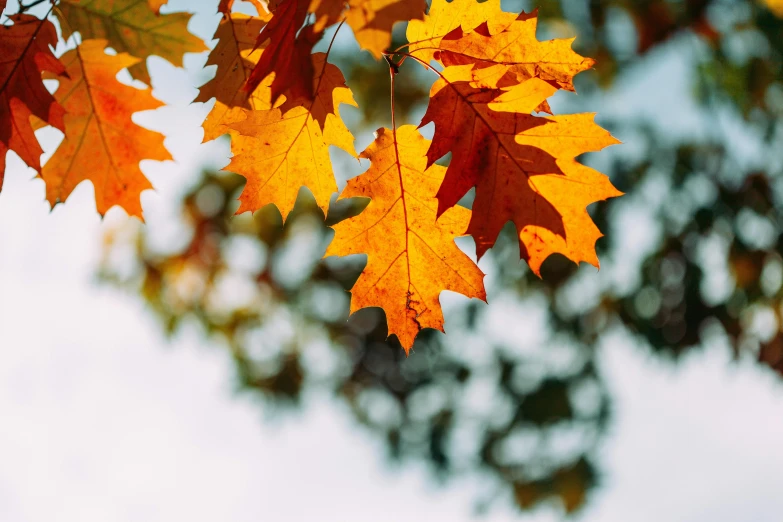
x=91, y=107
x=713, y=273
x=279, y=102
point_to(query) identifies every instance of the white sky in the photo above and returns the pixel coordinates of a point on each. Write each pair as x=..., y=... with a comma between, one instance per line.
x=102, y=420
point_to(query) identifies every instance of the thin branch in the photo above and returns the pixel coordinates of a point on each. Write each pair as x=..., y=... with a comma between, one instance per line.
x=24, y=8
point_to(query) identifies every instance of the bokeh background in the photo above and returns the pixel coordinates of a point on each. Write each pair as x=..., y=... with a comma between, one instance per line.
x=202, y=367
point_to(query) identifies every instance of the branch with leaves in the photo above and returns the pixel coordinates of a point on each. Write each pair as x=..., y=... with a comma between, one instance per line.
x=279, y=100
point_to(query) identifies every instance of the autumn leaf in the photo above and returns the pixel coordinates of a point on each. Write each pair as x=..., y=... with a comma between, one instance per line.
x=444, y=17
x=288, y=53
x=372, y=21
x=499, y=41
x=224, y=6
x=155, y=5
x=523, y=166
x=130, y=26
x=25, y=53
x=326, y=12
x=102, y=144
x=411, y=256
x=776, y=6
x=235, y=56
x=285, y=148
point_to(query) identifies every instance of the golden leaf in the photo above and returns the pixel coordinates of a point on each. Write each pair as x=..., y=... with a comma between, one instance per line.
x=285, y=148
x=412, y=257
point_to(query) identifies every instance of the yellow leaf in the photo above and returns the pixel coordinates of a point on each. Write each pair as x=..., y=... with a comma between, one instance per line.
x=776, y=6
x=102, y=144
x=444, y=16
x=412, y=256
x=285, y=148
x=515, y=46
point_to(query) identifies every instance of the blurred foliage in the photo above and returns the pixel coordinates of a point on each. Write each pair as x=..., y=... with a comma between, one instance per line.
x=524, y=414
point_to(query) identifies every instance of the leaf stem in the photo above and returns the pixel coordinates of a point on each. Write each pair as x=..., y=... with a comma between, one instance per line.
x=394, y=69
x=334, y=36
x=425, y=64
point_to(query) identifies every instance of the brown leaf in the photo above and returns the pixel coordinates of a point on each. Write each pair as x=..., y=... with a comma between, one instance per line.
x=523, y=166
x=25, y=53
x=235, y=56
x=288, y=53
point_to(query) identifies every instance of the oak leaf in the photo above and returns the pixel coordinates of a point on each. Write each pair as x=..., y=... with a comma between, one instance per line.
x=523, y=166
x=500, y=38
x=444, y=17
x=102, y=144
x=235, y=56
x=25, y=53
x=372, y=21
x=224, y=6
x=285, y=148
x=288, y=53
x=130, y=26
x=517, y=47
x=326, y=12
x=412, y=257
x=155, y=5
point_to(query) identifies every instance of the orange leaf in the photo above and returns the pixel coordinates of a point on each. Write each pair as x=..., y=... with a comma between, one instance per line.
x=285, y=148
x=235, y=58
x=288, y=53
x=102, y=144
x=24, y=54
x=372, y=20
x=224, y=6
x=155, y=5
x=327, y=12
x=523, y=166
x=412, y=257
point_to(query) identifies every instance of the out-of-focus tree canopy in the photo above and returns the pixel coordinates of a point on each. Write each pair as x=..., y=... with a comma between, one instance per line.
x=525, y=411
